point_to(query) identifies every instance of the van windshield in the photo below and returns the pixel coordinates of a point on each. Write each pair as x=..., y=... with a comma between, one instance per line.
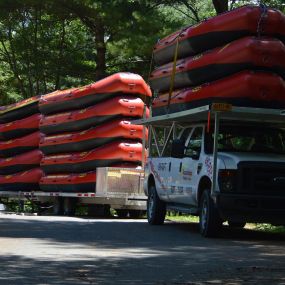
x=248, y=139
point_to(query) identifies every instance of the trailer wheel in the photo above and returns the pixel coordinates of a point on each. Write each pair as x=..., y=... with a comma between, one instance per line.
x=69, y=206
x=236, y=225
x=122, y=213
x=209, y=219
x=102, y=211
x=156, y=209
x=136, y=214
x=58, y=206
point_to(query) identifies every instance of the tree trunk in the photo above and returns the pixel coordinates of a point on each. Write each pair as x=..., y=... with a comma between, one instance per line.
x=221, y=6
x=100, y=46
x=60, y=55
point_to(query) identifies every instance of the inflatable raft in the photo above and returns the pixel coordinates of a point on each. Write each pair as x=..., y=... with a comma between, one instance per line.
x=19, y=110
x=119, y=84
x=91, y=138
x=21, y=162
x=247, y=89
x=220, y=30
x=19, y=128
x=20, y=145
x=86, y=118
x=75, y=182
x=22, y=181
x=110, y=154
x=246, y=53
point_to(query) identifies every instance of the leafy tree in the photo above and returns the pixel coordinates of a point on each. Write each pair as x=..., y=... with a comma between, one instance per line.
x=55, y=44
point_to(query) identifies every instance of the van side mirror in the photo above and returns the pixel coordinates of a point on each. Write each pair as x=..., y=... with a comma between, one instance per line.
x=177, y=149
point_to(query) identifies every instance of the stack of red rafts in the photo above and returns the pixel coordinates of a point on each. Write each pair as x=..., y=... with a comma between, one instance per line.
x=19, y=146
x=237, y=57
x=89, y=127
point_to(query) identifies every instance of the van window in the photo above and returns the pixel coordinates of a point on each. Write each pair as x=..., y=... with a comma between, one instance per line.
x=195, y=143
x=248, y=139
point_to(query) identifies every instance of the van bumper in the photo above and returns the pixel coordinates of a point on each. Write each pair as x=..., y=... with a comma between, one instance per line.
x=251, y=208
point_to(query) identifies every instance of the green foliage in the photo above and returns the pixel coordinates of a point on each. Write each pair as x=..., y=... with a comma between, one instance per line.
x=269, y=228
x=56, y=44
x=26, y=207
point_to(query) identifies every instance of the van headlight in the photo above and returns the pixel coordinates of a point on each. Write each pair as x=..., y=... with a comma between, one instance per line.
x=227, y=180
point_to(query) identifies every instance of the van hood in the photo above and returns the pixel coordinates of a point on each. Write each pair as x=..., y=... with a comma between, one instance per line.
x=231, y=159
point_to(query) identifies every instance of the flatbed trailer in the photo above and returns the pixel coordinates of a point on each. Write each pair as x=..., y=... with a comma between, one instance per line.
x=118, y=188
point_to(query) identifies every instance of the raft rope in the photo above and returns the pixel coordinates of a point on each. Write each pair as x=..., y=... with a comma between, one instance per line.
x=262, y=17
x=173, y=73
x=148, y=79
x=150, y=67
x=174, y=64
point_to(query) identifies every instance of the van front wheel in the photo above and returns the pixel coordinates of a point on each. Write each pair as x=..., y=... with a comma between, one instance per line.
x=156, y=209
x=209, y=219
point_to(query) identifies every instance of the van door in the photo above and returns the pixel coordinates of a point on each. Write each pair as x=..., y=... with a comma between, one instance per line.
x=189, y=169
x=161, y=166
x=175, y=191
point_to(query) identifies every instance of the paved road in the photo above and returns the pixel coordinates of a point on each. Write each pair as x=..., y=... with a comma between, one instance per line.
x=62, y=250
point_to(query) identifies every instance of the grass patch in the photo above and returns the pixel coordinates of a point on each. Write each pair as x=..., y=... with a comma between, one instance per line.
x=267, y=228
x=178, y=217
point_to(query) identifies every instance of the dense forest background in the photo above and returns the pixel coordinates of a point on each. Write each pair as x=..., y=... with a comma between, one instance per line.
x=56, y=44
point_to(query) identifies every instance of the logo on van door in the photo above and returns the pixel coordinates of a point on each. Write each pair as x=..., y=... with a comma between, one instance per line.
x=209, y=167
x=187, y=175
x=162, y=166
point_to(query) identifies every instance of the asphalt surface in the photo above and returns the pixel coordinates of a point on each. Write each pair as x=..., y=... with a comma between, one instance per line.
x=63, y=250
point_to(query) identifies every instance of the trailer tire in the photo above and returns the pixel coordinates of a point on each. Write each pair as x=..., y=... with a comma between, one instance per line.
x=69, y=206
x=136, y=214
x=98, y=210
x=58, y=206
x=122, y=213
x=209, y=219
x=156, y=209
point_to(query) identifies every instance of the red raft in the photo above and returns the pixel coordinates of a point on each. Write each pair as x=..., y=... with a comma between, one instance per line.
x=75, y=182
x=19, y=110
x=20, y=145
x=119, y=84
x=22, y=181
x=219, y=30
x=83, y=119
x=19, y=128
x=246, y=53
x=113, y=153
x=246, y=89
x=21, y=162
x=91, y=138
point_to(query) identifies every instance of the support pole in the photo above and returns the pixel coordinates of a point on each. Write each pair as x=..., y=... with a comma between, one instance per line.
x=144, y=138
x=215, y=153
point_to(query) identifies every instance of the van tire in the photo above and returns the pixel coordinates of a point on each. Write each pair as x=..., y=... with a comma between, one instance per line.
x=236, y=225
x=156, y=209
x=210, y=222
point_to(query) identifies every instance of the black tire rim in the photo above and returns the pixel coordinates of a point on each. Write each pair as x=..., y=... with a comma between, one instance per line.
x=204, y=215
x=150, y=205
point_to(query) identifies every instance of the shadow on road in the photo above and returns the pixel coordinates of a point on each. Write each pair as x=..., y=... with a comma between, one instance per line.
x=102, y=251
